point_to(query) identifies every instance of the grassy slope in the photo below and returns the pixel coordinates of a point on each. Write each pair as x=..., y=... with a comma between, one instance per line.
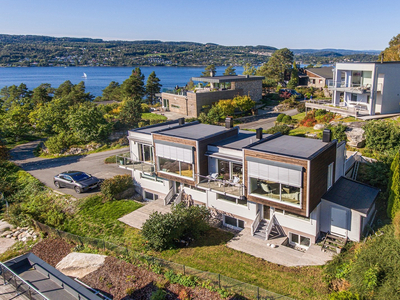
x=151, y=116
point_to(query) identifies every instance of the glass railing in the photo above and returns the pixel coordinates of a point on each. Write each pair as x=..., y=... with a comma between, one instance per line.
x=228, y=187
x=128, y=163
x=352, y=86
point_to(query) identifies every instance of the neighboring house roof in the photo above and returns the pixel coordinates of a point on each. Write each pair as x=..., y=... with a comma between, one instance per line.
x=290, y=146
x=194, y=131
x=229, y=78
x=156, y=127
x=243, y=139
x=47, y=280
x=352, y=194
x=325, y=72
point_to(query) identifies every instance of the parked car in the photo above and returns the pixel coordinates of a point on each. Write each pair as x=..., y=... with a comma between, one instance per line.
x=291, y=92
x=77, y=180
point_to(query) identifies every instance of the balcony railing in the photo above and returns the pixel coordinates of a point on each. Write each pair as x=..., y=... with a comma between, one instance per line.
x=128, y=163
x=227, y=187
x=176, y=92
x=353, y=87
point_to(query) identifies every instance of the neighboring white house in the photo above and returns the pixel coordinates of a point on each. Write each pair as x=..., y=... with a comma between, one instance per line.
x=370, y=88
x=251, y=179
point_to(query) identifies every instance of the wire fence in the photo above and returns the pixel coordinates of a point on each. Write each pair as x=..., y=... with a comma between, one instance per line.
x=234, y=286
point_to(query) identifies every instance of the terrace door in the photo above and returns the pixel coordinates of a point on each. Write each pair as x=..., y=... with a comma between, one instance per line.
x=339, y=221
x=266, y=212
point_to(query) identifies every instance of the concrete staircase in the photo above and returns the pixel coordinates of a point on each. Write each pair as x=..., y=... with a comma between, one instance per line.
x=333, y=243
x=261, y=231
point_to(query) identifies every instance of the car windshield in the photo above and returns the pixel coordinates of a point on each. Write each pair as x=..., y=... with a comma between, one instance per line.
x=80, y=176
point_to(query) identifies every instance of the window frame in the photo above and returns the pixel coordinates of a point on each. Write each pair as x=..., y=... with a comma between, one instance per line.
x=232, y=226
x=299, y=236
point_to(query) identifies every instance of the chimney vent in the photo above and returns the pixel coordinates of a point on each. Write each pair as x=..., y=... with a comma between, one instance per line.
x=327, y=136
x=212, y=74
x=181, y=121
x=229, y=122
x=259, y=133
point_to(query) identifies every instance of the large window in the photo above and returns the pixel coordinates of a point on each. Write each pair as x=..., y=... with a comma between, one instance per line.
x=233, y=222
x=330, y=176
x=146, y=153
x=275, y=191
x=299, y=240
x=176, y=167
x=230, y=171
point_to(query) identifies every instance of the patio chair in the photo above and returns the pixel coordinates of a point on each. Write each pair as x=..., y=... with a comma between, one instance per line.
x=213, y=176
x=235, y=181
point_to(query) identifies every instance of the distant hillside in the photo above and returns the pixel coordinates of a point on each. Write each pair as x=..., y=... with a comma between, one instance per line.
x=339, y=51
x=31, y=50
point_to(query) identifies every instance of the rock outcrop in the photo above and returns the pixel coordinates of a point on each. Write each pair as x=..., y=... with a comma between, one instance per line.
x=80, y=264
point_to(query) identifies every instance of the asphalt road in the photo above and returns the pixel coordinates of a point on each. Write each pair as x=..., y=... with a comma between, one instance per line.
x=45, y=169
x=268, y=121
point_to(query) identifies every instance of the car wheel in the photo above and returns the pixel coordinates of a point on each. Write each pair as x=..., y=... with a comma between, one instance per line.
x=57, y=184
x=77, y=190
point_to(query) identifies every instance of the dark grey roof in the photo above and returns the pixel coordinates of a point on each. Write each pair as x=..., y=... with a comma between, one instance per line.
x=47, y=280
x=243, y=139
x=194, y=131
x=325, y=72
x=352, y=194
x=156, y=127
x=291, y=146
x=230, y=78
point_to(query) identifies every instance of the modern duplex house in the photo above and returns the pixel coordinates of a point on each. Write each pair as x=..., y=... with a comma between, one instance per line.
x=252, y=180
x=371, y=87
x=191, y=103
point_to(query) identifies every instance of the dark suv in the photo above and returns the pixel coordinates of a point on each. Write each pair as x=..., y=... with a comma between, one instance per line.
x=79, y=181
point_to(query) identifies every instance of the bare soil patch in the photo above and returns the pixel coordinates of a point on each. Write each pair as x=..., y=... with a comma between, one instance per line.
x=52, y=250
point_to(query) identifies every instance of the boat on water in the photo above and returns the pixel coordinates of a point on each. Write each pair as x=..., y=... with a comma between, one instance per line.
x=84, y=75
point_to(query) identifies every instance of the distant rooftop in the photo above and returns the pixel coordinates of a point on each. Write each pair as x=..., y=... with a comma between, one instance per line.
x=243, y=139
x=193, y=131
x=156, y=127
x=291, y=146
x=352, y=194
x=325, y=72
x=229, y=78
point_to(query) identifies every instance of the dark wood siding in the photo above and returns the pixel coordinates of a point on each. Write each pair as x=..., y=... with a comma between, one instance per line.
x=319, y=174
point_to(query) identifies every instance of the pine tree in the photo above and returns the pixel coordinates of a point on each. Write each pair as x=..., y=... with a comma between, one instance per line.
x=134, y=85
x=248, y=69
x=208, y=70
x=394, y=187
x=131, y=111
x=229, y=71
x=153, y=86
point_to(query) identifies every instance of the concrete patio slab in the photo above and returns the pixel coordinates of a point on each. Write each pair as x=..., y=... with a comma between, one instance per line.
x=282, y=255
x=138, y=217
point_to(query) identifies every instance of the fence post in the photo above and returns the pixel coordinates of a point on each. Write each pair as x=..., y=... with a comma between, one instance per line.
x=258, y=293
x=184, y=270
x=219, y=280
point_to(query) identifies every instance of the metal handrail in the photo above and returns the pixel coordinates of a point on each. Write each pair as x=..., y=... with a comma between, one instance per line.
x=15, y=275
x=179, y=197
x=255, y=223
x=169, y=196
x=269, y=227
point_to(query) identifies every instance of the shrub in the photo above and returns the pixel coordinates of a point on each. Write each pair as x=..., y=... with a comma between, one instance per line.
x=287, y=119
x=320, y=112
x=381, y=135
x=284, y=129
x=301, y=107
x=396, y=225
x=111, y=187
x=280, y=117
x=62, y=141
x=344, y=295
x=338, y=132
x=4, y=152
x=158, y=295
x=145, y=108
x=165, y=231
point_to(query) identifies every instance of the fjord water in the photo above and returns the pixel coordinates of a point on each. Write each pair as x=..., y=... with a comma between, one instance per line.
x=98, y=77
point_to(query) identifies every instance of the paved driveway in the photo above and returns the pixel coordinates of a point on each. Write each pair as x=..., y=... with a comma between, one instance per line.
x=45, y=169
x=268, y=121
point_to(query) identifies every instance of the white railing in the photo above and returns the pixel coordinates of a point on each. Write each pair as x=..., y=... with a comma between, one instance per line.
x=255, y=223
x=350, y=161
x=169, y=196
x=228, y=187
x=269, y=227
x=20, y=284
x=179, y=197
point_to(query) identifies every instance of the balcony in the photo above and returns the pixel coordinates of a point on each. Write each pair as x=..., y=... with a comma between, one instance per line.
x=226, y=187
x=125, y=162
x=354, y=88
x=176, y=92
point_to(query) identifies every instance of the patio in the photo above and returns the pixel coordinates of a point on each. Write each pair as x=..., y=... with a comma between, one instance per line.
x=281, y=255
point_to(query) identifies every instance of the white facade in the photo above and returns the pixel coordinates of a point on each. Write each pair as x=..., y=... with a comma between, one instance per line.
x=371, y=88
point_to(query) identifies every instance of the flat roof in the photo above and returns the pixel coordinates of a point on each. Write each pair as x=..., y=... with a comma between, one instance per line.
x=194, y=131
x=243, y=139
x=47, y=280
x=228, y=78
x=291, y=146
x=156, y=127
x=352, y=194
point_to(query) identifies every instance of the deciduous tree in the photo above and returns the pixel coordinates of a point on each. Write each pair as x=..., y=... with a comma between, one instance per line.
x=249, y=69
x=279, y=63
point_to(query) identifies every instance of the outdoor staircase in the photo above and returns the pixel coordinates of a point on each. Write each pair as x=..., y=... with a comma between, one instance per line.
x=261, y=231
x=355, y=170
x=333, y=243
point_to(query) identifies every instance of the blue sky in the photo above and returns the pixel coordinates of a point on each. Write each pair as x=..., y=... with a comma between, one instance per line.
x=358, y=25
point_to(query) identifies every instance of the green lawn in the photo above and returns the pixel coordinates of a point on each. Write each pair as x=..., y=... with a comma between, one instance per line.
x=302, y=131
x=151, y=116
x=299, y=116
